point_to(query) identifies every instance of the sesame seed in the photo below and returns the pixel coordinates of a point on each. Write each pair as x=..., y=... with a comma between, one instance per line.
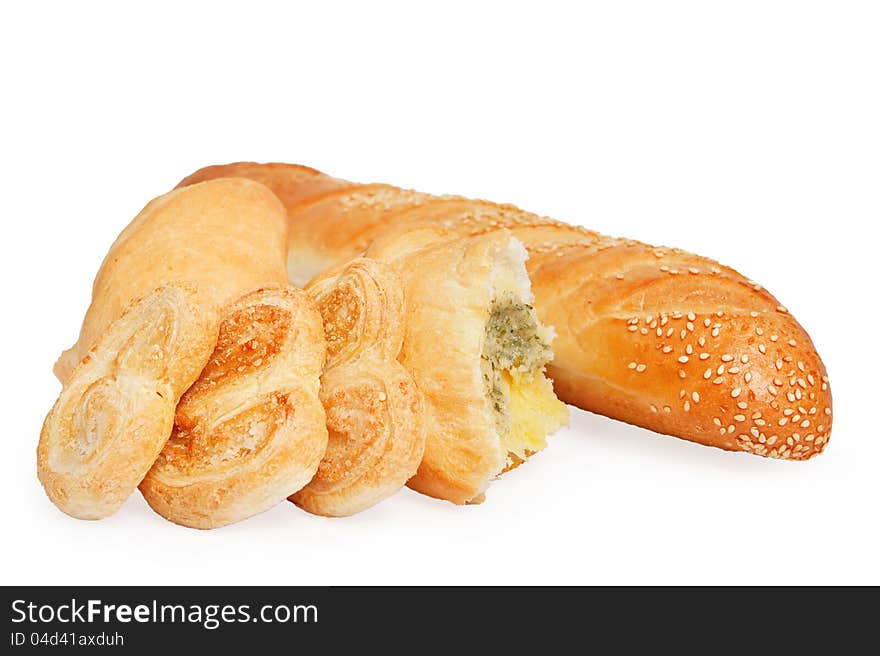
x=774, y=338
x=704, y=356
x=667, y=349
x=717, y=421
x=735, y=392
x=782, y=308
x=687, y=406
x=718, y=380
x=631, y=365
x=681, y=373
x=641, y=368
x=653, y=408
x=708, y=374
x=742, y=405
x=739, y=417
x=744, y=359
x=696, y=397
x=689, y=349
x=683, y=359
x=762, y=348
x=748, y=377
x=726, y=357
x=792, y=342
x=720, y=369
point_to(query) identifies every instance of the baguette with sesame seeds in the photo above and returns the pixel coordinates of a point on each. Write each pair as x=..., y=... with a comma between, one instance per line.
x=653, y=336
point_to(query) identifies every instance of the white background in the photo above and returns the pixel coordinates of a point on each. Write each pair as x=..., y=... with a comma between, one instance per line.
x=747, y=131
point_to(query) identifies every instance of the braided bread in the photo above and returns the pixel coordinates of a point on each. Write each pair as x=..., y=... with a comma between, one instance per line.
x=653, y=336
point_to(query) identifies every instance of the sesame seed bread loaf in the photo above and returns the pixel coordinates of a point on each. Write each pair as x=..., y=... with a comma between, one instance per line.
x=653, y=336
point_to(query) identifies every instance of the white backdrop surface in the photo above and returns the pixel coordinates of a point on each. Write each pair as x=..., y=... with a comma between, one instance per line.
x=745, y=131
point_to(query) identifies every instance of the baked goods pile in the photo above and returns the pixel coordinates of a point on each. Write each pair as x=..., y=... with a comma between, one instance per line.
x=417, y=351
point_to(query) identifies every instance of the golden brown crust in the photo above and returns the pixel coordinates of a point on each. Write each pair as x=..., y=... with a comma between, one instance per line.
x=115, y=411
x=227, y=236
x=448, y=287
x=292, y=183
x=251, y=430
x=375, y=412
x=607, y=299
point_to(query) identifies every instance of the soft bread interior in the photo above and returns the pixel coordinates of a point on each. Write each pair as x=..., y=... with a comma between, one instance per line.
x=516, y=349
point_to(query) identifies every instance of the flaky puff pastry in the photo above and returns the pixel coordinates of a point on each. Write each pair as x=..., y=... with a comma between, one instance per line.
x=375, y=412
x=228, y=236
x=115, y=412
x=450, y=286
x=251, y=430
